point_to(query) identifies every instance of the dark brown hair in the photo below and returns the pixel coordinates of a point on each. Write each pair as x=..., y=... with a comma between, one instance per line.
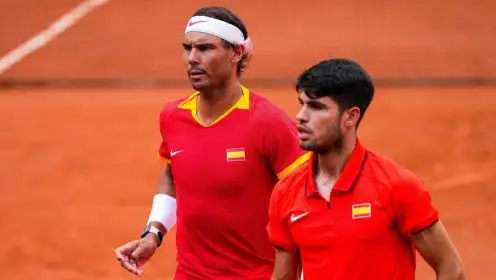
x=343, y=80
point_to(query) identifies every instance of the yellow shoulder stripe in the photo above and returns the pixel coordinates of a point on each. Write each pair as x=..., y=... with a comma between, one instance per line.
x=297, y=163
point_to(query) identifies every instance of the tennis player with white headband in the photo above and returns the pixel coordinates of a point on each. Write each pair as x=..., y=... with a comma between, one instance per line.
x=221, y=29
x=225, y=147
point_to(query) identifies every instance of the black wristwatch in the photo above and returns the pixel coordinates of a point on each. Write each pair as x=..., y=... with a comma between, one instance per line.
x=154, y=230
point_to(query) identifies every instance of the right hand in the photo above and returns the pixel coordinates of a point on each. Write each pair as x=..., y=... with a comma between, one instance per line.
x=133, y=255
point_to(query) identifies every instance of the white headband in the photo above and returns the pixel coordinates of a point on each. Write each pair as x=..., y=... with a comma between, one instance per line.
x=220, y=29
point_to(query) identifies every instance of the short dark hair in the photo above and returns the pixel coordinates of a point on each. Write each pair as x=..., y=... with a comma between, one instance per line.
x=228, y=16
x=343, y=80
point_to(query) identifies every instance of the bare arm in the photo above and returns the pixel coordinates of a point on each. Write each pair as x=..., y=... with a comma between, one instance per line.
x=134, y=254
x=165, y=186
x=437, y=249
x=286, y=265
x=166, y=183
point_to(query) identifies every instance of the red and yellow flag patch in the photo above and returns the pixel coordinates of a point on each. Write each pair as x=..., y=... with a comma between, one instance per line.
x=360, y=211
x=235, y=154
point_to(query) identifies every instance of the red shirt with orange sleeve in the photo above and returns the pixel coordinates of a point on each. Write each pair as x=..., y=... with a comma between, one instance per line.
x=364, y=231
x=224, y=175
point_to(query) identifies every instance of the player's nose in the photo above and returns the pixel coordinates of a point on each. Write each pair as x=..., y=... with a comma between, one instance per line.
x=193, y=57
x=302, y=116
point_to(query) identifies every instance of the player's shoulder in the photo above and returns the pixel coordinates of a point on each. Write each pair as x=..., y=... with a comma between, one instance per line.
x=172, y=106
x=389, y=172
x=263, y=110
x=291, y=184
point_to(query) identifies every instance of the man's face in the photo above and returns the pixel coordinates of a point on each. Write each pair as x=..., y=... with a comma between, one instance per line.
x=209, y=62
x=320, y=124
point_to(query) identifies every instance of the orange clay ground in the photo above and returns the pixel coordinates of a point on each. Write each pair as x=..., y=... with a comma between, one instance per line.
x=78, y=172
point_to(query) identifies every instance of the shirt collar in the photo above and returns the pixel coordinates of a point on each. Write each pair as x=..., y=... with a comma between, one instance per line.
x=348, y=177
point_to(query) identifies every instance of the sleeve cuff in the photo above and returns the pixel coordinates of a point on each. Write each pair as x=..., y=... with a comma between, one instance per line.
x=284, y=245
x=425, y=224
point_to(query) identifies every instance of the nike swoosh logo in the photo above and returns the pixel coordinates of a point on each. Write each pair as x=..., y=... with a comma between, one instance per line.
x=295, y=218
x=195, y=22
x=173, y=153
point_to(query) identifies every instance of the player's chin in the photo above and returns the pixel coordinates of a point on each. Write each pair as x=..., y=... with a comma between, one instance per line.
x=307, y=145
x=199, y=84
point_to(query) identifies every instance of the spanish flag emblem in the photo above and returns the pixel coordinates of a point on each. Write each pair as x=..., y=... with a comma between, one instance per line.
x=360, y=211
x=235, y=154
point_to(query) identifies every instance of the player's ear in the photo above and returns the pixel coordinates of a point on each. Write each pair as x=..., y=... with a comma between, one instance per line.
x=237, y=53
x=351, y=116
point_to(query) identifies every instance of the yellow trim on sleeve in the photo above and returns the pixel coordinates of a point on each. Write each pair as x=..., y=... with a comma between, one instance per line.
x=297, y=163
x=164, y=159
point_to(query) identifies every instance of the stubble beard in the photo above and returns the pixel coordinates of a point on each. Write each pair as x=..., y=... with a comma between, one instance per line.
x=332, y=143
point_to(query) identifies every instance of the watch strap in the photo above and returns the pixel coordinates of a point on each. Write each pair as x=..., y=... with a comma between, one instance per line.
x=152, y=229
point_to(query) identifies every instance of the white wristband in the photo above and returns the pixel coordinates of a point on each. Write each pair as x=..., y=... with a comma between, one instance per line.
x=163, y=211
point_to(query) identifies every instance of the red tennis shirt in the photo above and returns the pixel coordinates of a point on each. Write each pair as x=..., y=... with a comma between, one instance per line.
x=224, y=175
x=364, y=231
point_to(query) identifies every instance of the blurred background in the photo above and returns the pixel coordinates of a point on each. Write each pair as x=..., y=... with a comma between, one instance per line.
x=82, y=83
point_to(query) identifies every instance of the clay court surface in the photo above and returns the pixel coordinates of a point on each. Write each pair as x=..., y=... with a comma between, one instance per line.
x=79, y=170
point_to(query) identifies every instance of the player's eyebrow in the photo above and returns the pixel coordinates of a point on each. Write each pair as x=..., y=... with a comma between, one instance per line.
x=209, y=45
x=197, y=45
x=310, y=101
x=316, y=102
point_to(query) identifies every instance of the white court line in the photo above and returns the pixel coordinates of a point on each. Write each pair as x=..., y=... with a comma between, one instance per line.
x=44, y=37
